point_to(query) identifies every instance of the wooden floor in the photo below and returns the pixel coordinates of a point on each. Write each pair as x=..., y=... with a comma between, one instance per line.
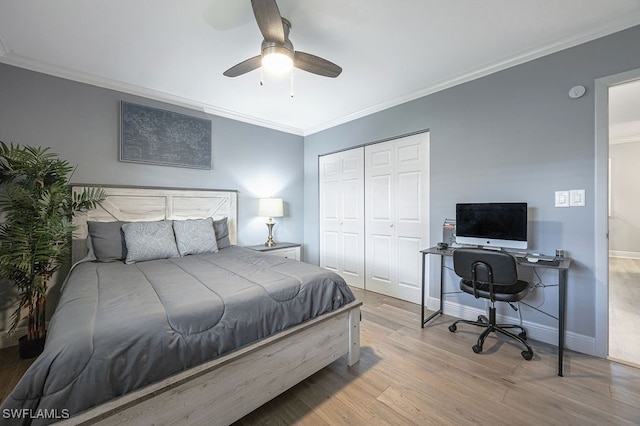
x=408, y=375
x=11, y=370
x=624, y=314
x=413, y=376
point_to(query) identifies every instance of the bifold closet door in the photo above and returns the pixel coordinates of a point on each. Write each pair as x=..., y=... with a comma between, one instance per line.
x=341, y=177
x=396, y=215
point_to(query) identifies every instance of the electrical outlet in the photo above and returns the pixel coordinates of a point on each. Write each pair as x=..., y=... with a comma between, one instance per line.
x=562, y=198
x=577, y=198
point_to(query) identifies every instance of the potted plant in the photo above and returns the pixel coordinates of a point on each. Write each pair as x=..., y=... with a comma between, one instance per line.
x=36, y=208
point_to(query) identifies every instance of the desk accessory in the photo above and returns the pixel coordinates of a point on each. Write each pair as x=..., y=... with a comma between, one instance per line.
x=449, y=232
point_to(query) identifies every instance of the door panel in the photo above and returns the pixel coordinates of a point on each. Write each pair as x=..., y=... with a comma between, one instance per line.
x=352, y=260
x=409, y=195
x=380, y=204
x=380, y=252
x=408, y=263
x=396, y=211
x=341, y=179
x=329, y=240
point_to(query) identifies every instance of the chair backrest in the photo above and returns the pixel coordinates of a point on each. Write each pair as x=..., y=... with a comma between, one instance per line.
x=502, y=266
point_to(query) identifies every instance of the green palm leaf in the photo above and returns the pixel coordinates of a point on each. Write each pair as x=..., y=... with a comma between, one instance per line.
x=37, y=206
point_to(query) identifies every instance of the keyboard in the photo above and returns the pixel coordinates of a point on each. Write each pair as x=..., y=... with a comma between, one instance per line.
x=524, y=257
x=541, y=262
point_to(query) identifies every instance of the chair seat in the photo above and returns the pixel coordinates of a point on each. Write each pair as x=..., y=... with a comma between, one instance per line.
x=510, y=293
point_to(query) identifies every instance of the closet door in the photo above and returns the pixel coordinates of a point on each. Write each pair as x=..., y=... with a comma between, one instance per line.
x=341, y=177
x=396, y=215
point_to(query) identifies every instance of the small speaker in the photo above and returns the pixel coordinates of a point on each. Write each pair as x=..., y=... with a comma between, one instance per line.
x=449, y=232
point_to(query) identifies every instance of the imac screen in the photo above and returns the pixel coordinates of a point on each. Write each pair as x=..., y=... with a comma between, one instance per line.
x=492, y=224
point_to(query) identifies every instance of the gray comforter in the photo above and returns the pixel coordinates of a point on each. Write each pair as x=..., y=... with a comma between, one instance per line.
x=120, y=327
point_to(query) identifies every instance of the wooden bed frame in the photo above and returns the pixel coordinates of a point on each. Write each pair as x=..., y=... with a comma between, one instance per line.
x=229, y=387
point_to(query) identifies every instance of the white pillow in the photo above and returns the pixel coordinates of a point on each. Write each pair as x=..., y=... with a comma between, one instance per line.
x=149, y=241
x=194, y=236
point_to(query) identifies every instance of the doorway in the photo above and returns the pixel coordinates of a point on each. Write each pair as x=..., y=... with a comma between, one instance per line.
x=624, y=222
x=617, y=217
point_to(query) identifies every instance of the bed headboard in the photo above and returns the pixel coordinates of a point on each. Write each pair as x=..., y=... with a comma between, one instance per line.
x=135, y=204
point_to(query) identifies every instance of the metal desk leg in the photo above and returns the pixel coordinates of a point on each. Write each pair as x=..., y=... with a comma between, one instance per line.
x=562, y=307
x=441, y=284
x=424, y=256
x=441, y=310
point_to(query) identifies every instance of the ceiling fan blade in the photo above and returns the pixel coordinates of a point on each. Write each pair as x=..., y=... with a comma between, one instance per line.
x=244, y=67
x=269, y=20
x=316, y=65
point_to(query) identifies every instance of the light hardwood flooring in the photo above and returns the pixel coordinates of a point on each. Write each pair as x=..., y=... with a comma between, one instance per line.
x=408, y=375
x=413, y=376
x=624, y=309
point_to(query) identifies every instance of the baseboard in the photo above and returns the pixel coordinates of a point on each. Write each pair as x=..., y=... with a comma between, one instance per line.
x=543, y=333
x=624, y=254
x=7, y=340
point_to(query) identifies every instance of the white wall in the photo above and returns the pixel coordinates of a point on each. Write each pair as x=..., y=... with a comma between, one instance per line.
x=624, y=219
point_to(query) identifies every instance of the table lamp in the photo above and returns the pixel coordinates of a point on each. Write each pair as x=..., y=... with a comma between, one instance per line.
x=270, y=207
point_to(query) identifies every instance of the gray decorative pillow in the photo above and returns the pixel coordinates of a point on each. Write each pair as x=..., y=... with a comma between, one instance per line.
x=149, y=241
x=222, y=233
x=107, y=241
x=194, y=236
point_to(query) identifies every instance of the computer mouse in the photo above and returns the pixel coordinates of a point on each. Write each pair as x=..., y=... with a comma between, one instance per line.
x=532, y=259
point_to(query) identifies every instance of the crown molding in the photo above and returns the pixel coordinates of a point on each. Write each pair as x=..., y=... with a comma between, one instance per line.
x=517, y=59
x=98, y=81
x=10, y=58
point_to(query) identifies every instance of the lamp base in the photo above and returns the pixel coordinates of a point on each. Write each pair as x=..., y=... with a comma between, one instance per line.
x=270, y=242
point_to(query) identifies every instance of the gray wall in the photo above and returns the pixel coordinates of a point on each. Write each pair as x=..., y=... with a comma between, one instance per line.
x=80, y=122
x=624, y=221
x=514, y=135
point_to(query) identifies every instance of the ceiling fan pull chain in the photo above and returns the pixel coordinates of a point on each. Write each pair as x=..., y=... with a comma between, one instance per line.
x=292, y=82
x=261, y=77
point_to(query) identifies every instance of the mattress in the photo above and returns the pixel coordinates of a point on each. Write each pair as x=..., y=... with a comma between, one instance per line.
x=120, y=327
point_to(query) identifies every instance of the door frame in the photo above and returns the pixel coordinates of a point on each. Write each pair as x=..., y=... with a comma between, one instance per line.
x=601, y=205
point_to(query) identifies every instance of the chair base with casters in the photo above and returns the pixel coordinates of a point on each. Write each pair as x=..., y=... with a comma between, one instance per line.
x=491, y=275
x=491, y=327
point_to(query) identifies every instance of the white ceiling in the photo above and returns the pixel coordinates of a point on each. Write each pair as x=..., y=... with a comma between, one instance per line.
x=391, y=51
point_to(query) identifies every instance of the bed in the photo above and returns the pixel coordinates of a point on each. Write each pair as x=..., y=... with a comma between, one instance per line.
x=193, y=335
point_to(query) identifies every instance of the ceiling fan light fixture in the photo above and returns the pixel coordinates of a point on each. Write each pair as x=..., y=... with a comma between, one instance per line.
x=277, y=53
x=277, y=59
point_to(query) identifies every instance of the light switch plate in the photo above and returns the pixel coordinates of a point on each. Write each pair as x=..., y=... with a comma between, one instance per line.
x=562, y=198
x=577, y=198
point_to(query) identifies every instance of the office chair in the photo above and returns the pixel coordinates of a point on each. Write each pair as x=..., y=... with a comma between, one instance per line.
x=492, y=275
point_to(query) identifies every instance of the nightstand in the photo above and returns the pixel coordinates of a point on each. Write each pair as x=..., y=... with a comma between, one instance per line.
x=288, y=250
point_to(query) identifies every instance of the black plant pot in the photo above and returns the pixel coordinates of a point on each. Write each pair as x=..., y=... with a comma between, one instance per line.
x=30, y=348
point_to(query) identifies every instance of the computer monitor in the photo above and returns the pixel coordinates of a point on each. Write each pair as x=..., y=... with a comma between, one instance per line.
x=492, y=224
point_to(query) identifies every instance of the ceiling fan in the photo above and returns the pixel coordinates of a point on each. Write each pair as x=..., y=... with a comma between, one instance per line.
x=277, y=49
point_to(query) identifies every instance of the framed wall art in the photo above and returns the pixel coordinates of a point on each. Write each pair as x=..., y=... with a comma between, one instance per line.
x=154, y=136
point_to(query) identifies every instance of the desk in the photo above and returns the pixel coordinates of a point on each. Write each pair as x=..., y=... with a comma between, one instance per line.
x=562, y=269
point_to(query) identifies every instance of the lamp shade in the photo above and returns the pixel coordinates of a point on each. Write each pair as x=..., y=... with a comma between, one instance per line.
x=270, y=207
